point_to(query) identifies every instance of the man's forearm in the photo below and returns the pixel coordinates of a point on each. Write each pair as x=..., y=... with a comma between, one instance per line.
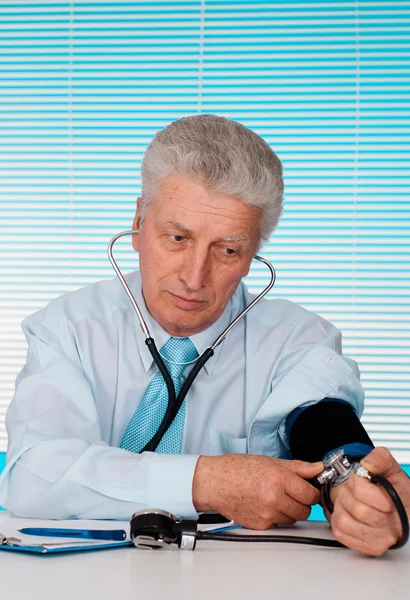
x=66, y=478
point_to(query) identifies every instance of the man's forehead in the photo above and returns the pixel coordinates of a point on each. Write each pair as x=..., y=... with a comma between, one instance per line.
x=183, y=203
x=181, y=191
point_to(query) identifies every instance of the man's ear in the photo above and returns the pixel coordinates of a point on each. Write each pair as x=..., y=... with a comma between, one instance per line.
x=247, y=270
x=136, y=225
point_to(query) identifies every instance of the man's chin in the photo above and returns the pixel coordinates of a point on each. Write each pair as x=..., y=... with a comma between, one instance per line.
x=181, y=324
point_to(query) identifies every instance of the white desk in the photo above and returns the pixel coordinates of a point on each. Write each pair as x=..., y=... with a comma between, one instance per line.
x=214, y=570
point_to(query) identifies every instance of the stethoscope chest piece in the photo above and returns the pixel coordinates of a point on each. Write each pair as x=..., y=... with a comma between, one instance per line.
x=338, y=469
x=156, y=528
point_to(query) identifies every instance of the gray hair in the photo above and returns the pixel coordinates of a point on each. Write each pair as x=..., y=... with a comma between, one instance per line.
x=224, y=156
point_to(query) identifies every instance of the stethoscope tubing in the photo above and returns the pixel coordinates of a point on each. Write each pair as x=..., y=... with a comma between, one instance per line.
x=175, y=403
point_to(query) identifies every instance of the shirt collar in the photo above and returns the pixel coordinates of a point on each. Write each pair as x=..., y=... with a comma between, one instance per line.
x=201, y=340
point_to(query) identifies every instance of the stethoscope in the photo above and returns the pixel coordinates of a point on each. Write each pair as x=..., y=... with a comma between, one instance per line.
x=155, y=528
x=174, y=403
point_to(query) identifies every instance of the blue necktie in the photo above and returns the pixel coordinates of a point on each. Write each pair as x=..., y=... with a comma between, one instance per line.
x=151, y=410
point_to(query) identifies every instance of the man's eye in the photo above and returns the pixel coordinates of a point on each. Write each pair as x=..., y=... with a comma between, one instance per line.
x=230, y=251
x=177, y=238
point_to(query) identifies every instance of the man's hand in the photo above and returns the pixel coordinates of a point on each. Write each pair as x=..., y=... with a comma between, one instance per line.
x=364, y=516
x=255, y=491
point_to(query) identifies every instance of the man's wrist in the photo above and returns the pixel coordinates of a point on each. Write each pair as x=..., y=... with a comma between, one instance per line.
x=204, y=483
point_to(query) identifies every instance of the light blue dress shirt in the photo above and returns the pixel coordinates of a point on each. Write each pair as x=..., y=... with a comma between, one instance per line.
x=88, y=368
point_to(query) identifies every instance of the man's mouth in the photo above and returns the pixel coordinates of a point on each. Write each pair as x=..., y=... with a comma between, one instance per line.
x=186, y=303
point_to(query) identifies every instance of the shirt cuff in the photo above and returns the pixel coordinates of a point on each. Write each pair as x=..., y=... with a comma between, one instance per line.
x=170, y=484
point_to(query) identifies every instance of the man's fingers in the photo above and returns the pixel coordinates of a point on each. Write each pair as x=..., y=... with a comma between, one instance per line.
x=305, y=470
x=380, y=461
x=362, y=537
x=366, y=492
x=363, y=512
x=295, y=510
x=362, y=546
x=282, y=519
x=301, y=491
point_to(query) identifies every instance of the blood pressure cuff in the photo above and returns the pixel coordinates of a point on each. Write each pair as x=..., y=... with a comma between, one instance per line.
x=316, y=430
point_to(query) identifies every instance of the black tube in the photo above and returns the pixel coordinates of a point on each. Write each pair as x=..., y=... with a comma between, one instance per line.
x=380, y=480
x=289, y=539
x=325, y=500
x=205, y=356
x=174, y=404
x=155, y=440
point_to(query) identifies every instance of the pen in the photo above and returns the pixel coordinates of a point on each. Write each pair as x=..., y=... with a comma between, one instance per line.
x=229, y=528
x=90, y=534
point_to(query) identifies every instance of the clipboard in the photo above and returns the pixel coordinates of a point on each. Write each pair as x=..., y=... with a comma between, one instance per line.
x=45, y=549
x=44, y=545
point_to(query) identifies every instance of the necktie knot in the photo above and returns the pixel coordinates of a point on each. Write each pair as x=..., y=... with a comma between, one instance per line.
x=178, y=353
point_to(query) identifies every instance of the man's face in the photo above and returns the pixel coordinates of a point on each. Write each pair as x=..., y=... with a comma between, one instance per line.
x=194, y=246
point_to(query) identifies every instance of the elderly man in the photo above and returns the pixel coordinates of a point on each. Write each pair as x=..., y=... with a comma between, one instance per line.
x=90, y=396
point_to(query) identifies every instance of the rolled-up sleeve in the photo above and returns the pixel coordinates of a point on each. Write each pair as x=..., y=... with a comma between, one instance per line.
x=58, y=465
x=312, y=367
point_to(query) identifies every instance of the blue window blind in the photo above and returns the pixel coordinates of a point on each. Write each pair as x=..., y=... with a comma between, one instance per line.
x=84, y=87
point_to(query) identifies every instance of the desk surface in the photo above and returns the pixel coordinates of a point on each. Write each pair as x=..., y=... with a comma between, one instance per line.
x=214, y=570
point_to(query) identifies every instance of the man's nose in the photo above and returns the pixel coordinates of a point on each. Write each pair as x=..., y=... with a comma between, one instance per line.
x=195, y=270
